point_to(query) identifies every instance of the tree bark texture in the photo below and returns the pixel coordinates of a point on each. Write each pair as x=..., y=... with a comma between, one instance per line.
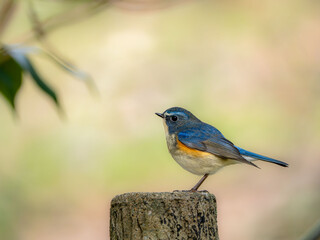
x=165, y=216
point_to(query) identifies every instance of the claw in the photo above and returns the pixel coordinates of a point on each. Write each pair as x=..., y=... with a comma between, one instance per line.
x=203, y=191
x=191, y=190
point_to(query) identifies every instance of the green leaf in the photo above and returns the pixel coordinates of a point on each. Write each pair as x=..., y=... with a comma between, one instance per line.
x=10, y=78
x=19, y=55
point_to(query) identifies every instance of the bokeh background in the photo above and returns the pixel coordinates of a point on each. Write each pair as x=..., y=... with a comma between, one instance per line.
x=249, y=68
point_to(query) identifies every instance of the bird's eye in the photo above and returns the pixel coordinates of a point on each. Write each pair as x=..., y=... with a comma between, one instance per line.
x=174, y=118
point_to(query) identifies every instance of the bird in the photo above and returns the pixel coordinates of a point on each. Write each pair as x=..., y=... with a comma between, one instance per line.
x=201, y=148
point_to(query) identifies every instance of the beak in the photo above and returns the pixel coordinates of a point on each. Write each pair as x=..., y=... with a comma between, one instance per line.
x=160, y=115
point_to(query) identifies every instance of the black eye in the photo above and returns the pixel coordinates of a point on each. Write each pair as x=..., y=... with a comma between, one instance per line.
x=174, y=118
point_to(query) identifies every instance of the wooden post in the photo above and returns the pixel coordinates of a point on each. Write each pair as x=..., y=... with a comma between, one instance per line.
x=153, y=216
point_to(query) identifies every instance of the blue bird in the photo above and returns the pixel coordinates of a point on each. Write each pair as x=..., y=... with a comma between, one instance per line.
x=201, y=148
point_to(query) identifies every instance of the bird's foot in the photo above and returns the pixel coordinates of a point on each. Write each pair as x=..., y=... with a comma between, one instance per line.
x=201, y=191
x=204, y=191
x=191, y=190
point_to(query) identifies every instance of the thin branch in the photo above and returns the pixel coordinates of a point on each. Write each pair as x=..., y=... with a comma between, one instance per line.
x=36, y=23
x=64, y=18
x=88, y=9
x=7, y=9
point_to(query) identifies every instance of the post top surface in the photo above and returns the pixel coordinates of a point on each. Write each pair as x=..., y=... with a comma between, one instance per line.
x=177, y=195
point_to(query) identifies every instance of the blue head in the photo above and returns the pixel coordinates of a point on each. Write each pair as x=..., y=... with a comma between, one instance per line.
x=177, y=119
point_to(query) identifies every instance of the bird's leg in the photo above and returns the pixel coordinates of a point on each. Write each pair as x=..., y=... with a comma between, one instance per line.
x=195, y=188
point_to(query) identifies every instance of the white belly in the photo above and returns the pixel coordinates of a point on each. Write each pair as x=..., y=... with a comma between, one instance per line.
x=199, y=166
x=209, y=164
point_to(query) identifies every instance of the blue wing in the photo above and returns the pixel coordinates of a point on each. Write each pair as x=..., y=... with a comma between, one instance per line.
x=209, y=139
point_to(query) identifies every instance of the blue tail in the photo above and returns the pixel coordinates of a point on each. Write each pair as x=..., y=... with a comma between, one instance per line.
x=260, y=157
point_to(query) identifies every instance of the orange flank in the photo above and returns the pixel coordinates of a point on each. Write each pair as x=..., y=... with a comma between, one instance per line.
x=191, y=151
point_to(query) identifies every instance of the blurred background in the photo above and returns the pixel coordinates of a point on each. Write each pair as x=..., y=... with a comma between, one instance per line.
x=249, y=68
